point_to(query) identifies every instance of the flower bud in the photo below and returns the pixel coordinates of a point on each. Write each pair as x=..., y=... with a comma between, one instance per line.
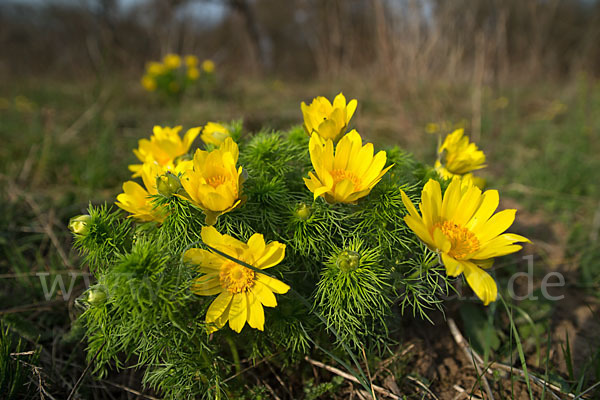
x=79, y=224
x=168, y=184
x=303, y=211
x=348, y=260
x=96, y=295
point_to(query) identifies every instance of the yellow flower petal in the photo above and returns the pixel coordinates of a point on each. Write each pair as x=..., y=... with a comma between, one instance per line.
x=481, y=282
x=272, y=255
x=467, y=206
x=350, y=109
x=429, y=202
x=238, y=312
x=343, y=190
x=410, y=207
x=339, y=102
x=264, y=294
x=417, y=226
x=206, y=285
x=218, y=306
x=441, y=241
x=489, y=203
x=453, y=267
x=496, y=225
x=256, y=314
x=451, y=199
x=273, y=284
x=256, y=244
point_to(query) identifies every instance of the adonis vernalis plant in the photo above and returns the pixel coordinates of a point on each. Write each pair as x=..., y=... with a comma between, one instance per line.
x=174, y=75
x=278, y=244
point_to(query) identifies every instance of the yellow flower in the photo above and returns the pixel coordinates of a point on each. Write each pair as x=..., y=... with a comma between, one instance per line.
x=329, y=121
x=464, y=230
x=214, y=133
x=172, y=61
x=193, y=73
x=208, y=66
x=349, y=174
x=137, y=200
x=214, y=183
x=461, y=157
x=191, y=61
x=149, y=83
x=164, y=146
x=155, y=68
x=242, y=292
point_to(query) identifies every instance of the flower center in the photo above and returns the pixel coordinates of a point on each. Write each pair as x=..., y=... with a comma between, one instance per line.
x=464, y=242
x=341, y=174
x=236, y=278
x=216, y=180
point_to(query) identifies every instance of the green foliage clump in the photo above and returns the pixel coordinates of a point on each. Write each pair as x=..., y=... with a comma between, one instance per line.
x=353, y=294
x=108, y=236
x=15, y=373
x=348, y=266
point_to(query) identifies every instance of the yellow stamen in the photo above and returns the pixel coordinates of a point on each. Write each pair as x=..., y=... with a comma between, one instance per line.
x=340, y=174
x=217, y=180
x=236, y=278
x=464, y=242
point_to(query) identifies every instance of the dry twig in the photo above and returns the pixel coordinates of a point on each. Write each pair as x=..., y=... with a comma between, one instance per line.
x=87, y=368
x=463, y=393
x=460, y=341
x=130, y=390
x=349, y=377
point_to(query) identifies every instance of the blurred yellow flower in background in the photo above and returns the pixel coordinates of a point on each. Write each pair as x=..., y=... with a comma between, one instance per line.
x=172, y=61
x=462, y=227
x=155, y=68
x=208, y=66
x=328, y=120
x=349, y=174
x=242, y=292
x=191, y=61
x=457, y=156
x=149, y=83
x=164, y=146
x=137, y=200
x=214, y=183
x=193, y=73
x=214, y=133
